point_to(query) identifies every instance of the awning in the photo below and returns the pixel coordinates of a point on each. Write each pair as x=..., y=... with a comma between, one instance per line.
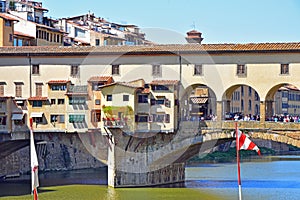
x=37, y=114
x=17, y=116
x=198, y=100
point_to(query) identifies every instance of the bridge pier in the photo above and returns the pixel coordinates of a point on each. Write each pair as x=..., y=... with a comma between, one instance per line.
x=130, y=169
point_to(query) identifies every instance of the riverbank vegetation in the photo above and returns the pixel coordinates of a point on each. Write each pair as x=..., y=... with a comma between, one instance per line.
x=229, y=156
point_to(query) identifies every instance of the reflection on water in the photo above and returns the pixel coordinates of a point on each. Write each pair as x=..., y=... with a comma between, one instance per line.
x=266, y=178
x=261, y=179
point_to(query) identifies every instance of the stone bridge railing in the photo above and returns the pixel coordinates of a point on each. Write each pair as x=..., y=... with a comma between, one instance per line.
x=242, y=125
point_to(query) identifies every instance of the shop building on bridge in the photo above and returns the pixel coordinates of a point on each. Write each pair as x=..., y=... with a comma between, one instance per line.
x=65, y=89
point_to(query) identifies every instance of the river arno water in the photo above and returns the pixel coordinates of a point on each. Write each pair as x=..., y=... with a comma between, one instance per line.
x=266, y=178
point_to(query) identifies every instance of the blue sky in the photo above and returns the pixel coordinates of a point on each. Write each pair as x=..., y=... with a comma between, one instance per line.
x=220, y=21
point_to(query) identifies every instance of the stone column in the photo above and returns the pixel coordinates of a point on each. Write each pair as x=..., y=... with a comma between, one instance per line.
x=227, y=106
x=269, y=108
x=219, y=109
x=111, y=165
x=262, y=108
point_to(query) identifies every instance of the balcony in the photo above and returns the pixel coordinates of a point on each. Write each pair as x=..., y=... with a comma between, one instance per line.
x=77, y=90
x=114, y=123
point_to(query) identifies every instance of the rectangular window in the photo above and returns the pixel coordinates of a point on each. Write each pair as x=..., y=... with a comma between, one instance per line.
x=115, y=70
x=109, y=97
x=3, y=120
x=2, y=89
x=61, y=118
x=53, y=101
x=242, y=105
x=35, y=69
x=249, y=105
x=97, y=102
x=158, y=118
x=11, y=37
x=38, y=89
x=159, y=101
x=60, y=101
x=241, y=70
x=77, y=100
x=168, y=103
x=159, y=88
x=156, y=70
x=18, y=89
x=242, y=91
x=125, y=97
x=76, y=118
x=256, y=97
x=143, y=98
x=7, y=23
x=2, y=6
x=250, y=91
x=96, y=115
x=141, y=118
x=198, y=70
x=75, y=71
x=96, y=86
x=284, y=69
x=57, y=118
x=54, y=118
x=58, y=87
x=37, y=104
x=167, y=118
x=97, y=41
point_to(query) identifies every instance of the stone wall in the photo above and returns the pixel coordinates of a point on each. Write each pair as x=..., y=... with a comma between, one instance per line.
x=60, y=152
x=174, y=173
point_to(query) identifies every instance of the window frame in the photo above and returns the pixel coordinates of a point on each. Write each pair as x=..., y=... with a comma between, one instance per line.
x=60, y=101
x=115, y=69
x=198, y=70
x=156, y=70
x=109, y=97
x=37, y=103
x=125, y=97
x=35, y=69
x=284, y=69
x=143, y=98
x=241, y=70
x=74, y=71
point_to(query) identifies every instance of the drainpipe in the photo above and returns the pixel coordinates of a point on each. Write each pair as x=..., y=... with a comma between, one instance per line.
x=178, y=92
x=30, y=78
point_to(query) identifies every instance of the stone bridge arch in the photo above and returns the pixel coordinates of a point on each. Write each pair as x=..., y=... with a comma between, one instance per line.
x=241, y=98
x=209, y=139
x=199, y=98
x=271, y=101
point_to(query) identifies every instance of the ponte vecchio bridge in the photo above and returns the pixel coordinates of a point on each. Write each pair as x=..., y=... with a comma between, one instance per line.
x=146, y=158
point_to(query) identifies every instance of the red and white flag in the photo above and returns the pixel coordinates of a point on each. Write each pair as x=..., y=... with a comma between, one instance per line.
x=34, y=164
x=246, y=144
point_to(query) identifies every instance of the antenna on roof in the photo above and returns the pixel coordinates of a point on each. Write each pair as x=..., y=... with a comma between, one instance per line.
x=194, y=25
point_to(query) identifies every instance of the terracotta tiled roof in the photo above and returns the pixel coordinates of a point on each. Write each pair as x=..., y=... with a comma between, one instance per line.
x=99, y=78
x=37, y=98
x=120, y=83
x=8, y=17
x=146, y=91
x=164, y=82
x=49, y=28
x=58, y=81
x=154, y=49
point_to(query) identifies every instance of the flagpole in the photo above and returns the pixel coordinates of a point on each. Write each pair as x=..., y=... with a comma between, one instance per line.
x=34, y=164
x=238, y=161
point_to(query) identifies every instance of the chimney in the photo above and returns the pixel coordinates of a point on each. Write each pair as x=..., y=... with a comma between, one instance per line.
x=194, y=36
